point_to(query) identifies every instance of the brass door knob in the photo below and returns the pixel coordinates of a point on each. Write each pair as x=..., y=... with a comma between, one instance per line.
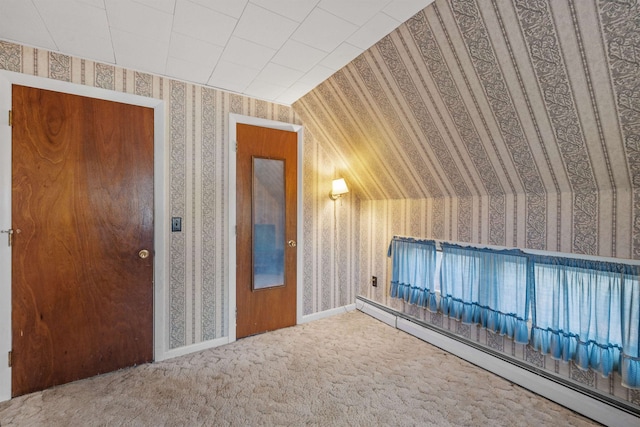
x=143, y=254
x=292, y=243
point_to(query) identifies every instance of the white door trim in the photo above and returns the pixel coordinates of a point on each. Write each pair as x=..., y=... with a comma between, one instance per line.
x=161, y=177
x=234, y=119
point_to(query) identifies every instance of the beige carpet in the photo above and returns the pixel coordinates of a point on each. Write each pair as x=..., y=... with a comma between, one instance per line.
x=345, y=370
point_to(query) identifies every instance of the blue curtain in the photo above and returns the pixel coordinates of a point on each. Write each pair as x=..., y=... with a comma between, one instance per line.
x=587, y=311
x=630, y=325
x=413, y=271
x=488, y=287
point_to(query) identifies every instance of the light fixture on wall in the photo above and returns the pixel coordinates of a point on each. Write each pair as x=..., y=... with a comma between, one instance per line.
x=338, y=188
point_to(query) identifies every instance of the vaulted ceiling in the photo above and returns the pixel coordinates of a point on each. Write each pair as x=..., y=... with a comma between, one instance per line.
x=490, y=97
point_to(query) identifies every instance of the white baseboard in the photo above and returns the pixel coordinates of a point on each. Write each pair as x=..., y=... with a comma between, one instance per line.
x=327, y=313
x=182, y=351
x=373, y=311
x=565, y=396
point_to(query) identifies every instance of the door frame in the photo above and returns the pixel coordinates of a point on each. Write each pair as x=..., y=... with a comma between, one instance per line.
x=234, y=120
x=160, y=182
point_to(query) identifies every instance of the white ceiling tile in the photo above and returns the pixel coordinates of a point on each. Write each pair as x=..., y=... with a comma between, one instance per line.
x=292, y=9
x=136, y=18
x=232, y=77
x=264, y=27
x=202, y=23
x=373, y=31
x=279, y=75
x=89, y=46
x=263, y=90
x=340, y=57
x=69, y=19
x=167, y=6
x=226, y=85
x=243, y=52
x=21, y=22
x=355, y=11
x=317, y=75
x=139, y=53
x=289, y=97
x=95, y=3
x=270, y=49
x=402, y=10
x=194, y=50
x=188, y=71
x=323, y=30
x=298, y=56
x=232, y=8
x=234, y=72
x=294, y=93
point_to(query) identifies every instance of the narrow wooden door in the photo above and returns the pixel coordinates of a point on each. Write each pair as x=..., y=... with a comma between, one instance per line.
x=267, y=226
x=82, y=210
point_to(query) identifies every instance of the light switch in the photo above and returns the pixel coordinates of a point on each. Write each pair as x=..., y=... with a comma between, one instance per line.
x=176, y=223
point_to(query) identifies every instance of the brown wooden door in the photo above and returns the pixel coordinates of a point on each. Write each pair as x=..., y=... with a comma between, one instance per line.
x=267, y=225
x=82, y=200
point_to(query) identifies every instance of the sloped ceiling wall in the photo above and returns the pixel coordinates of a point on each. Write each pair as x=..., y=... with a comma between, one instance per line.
x=492, y=98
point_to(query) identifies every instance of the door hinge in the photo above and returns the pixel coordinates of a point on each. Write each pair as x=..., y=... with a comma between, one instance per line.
x=236, y=147
x=236, y=318
x=10, y=118
x=9, y=359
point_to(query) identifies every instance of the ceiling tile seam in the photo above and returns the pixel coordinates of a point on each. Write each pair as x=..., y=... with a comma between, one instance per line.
x=44, y=24
x=478, y=110
x=406, y=139
x=211, y=8
x=280, y=14
x=227, y=42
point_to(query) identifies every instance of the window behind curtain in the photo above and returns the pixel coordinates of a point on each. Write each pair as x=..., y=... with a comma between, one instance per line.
x=488, y=287
x=413, y=271
x=587, y=311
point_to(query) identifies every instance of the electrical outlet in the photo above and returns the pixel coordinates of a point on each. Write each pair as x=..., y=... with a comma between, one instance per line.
x=374, y=281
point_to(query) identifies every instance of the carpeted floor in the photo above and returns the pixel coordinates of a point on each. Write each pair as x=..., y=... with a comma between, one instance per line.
x=345, y=370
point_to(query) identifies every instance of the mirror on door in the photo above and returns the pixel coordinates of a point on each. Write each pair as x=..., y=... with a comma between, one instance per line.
x=268, y=223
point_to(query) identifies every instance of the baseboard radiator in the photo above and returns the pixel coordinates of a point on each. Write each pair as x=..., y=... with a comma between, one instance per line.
x=588, y=401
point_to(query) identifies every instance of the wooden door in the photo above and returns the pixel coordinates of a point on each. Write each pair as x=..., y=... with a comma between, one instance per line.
x=266, y=229
x=82, y=210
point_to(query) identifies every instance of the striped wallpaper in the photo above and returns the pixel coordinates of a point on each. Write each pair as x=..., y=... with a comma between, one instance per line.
x=513, y=123
x=196, y=119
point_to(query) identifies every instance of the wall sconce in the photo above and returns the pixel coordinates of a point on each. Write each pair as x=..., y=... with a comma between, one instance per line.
x=338, y=188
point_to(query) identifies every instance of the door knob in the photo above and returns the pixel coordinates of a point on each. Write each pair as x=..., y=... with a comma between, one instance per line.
x=143, y=254
x=292, y=243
